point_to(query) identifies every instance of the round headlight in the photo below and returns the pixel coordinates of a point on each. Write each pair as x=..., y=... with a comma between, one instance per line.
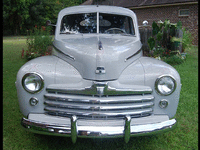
x=32, y=82
x=165, y=85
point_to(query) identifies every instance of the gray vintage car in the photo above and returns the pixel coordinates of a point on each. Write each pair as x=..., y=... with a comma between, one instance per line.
x=97, y=83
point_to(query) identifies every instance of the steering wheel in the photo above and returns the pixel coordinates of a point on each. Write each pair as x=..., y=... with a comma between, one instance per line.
x=115, y=31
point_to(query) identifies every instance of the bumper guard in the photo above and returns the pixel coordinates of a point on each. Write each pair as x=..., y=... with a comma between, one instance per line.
x=127, y=130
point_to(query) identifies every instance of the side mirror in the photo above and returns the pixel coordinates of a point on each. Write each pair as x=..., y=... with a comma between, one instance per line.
x=48, y=23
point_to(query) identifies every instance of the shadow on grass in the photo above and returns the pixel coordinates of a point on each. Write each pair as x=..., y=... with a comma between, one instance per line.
x=56, y=142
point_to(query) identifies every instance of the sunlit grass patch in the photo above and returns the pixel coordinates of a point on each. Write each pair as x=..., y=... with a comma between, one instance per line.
x=185, y=136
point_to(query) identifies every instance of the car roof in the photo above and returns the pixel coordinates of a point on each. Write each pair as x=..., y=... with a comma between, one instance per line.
x=95, y=8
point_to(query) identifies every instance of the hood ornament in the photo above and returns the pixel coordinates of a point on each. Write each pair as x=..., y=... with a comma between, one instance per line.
x=100, y=45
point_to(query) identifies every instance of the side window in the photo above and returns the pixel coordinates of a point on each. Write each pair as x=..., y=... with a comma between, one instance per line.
x=128, y=26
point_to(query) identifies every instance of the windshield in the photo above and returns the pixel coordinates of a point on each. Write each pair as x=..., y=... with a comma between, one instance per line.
x=79, y=23
x=87, y=23
x=115, y=24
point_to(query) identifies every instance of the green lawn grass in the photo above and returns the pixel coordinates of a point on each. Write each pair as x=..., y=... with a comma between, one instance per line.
x=185, y=136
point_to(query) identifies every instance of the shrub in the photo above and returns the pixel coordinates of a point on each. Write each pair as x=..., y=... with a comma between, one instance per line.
x=186, y=40
x=168, y=56
x=163, y=43
x=174, y=60
x=39, y=43
x=162, y=33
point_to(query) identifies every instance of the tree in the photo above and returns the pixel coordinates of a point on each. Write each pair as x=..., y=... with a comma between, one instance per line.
x=22, y=15
x=12, y=15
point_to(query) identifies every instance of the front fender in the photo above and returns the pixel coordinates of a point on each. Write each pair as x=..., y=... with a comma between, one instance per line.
x=153, y=69
x=53, y=70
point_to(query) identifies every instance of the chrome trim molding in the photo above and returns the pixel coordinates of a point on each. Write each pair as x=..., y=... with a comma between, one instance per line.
x=133, y=55
x=67, y=55
x=68, y=112
x=97, y=106
x=97, y=99
x=94, y=90
x=75, y=131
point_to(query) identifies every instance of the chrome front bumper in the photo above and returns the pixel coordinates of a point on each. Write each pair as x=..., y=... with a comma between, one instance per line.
x=44, y=124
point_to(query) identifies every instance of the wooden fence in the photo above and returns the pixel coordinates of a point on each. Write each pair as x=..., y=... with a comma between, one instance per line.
x=146, y=33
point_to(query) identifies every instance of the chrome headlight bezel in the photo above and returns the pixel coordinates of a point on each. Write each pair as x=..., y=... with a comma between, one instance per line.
x=158, y=80
x=38, y=78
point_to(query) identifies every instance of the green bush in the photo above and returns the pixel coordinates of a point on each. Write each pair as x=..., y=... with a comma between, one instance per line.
x=39, y=43
x=186, y=40
x=163, y=43
x=174, y=59
x=168, y=56
x=162, y=33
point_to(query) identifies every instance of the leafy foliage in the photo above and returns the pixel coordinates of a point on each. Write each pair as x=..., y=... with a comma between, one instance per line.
x=162, y=34
x=155, y=27
x=21, y=15
x=163, y=43
x=151, y=42
x=39, y=43
x=186, y=40
x=174, y=60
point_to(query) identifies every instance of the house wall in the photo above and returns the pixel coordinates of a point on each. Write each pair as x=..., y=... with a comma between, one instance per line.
x=171, y=13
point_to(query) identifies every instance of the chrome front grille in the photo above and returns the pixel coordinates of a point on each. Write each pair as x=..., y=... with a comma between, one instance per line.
x=135, y=104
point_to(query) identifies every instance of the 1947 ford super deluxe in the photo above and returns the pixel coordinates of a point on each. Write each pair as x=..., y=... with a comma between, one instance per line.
x=97, y=83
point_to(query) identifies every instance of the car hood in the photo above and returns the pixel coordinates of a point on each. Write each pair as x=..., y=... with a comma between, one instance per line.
x=98, y=57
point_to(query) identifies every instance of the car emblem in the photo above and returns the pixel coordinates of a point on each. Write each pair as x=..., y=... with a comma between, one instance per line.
x=100, y=70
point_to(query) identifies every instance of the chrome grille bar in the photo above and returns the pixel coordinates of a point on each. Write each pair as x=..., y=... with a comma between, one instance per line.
x=97, y=106
x=97, y=88
x=89, y=99
x=99, y=101
x=69, y=112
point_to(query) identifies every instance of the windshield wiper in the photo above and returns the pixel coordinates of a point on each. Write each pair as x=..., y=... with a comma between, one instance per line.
x=126, y=34
x=67, y=33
